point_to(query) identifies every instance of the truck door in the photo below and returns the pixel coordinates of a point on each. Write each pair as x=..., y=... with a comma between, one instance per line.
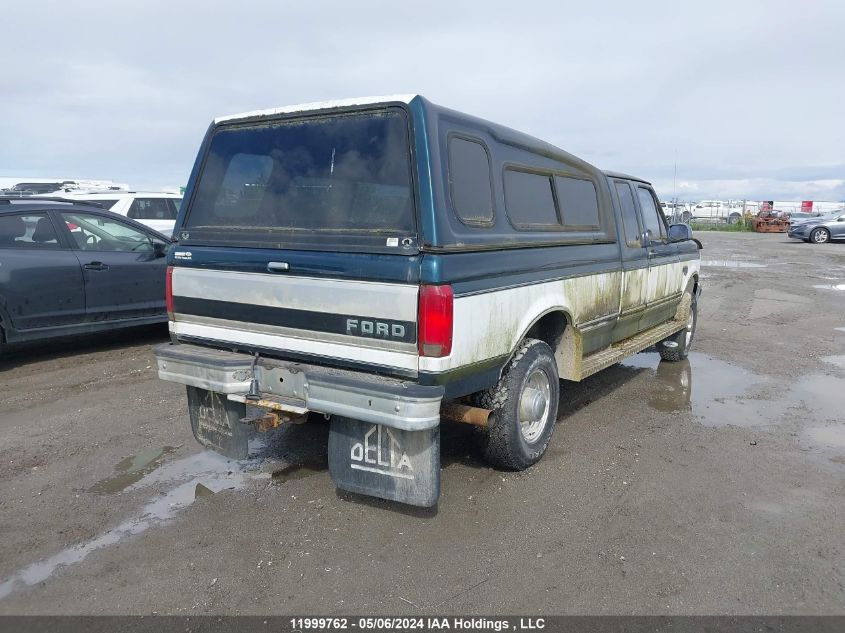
x=663, y=290
x=634, y=263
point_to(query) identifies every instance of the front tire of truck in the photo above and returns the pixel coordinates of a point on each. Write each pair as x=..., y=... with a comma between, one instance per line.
x=524, y=406
x=683, y=339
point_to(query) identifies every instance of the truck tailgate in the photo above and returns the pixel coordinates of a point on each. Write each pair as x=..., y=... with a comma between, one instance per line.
x=318, y=318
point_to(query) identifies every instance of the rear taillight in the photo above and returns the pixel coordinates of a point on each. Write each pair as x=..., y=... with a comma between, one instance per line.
x=168, y=292
x=435, y=321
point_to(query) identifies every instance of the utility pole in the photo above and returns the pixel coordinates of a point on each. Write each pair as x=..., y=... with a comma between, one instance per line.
x=674, y=190
x=675, y=177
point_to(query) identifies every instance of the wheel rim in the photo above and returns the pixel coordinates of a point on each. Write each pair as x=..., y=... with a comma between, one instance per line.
x=820, y=237
x=534, y=406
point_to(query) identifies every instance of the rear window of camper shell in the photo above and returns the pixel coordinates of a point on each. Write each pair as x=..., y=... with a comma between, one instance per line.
x=312, y=182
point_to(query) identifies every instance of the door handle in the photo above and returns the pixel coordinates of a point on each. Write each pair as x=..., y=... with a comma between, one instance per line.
x=95, y=266
x=278, y=267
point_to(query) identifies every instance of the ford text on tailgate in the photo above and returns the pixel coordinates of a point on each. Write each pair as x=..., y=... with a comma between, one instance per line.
x=389, y=264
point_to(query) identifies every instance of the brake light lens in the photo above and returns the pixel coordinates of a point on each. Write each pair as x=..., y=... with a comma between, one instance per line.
x=168, y=292
x=436, y=317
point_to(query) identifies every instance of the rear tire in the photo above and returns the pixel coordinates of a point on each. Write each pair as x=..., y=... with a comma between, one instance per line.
x=524, y=406
x=819, y=236
x=682, y=339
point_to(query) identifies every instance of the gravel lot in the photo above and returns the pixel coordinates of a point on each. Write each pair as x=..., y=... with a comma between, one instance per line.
x=713, y=486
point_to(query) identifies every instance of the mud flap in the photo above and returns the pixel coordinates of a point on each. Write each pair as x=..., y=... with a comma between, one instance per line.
x=215, y=421
x=384, y=462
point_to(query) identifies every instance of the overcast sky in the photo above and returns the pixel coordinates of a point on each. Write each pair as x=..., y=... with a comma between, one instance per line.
x=749, y=95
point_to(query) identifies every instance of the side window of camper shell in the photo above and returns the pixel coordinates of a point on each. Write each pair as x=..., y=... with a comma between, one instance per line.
x=579, y=203
x=529, y=201
x=538, y=201
x=470, y=181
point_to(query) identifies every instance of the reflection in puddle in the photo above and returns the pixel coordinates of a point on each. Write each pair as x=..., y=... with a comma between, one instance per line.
x=830, y=287
x=722, y=394
x=673, y=389
x=730, y=263
x=132, y=469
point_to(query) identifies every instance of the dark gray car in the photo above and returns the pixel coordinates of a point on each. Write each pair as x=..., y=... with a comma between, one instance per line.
x=821, y=229
x=68, y=268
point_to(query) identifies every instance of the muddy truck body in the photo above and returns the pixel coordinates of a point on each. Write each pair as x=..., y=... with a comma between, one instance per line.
x=388, y=263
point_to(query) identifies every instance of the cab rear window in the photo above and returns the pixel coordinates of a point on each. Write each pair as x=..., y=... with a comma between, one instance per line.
x=315, y=182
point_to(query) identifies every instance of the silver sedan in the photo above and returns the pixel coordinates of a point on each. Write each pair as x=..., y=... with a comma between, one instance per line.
x=821, y=229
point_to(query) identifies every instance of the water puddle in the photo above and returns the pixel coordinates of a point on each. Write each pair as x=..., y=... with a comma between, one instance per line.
x=833, y=436
x=719, y=394
x=839, y=361
x=289, y=453
x=132, y=469
x=840, y=287
x=715, y=392
x=821, y=394
x=195, y=476
x=731, y=263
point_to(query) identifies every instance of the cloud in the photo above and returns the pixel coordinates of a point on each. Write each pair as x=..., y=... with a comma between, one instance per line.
x=752, y=189
x=743, y=93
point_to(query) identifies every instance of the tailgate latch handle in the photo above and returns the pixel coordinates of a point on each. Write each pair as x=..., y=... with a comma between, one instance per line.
x=278, y=266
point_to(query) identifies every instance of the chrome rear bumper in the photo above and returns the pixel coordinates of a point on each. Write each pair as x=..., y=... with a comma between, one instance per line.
x=370, y=398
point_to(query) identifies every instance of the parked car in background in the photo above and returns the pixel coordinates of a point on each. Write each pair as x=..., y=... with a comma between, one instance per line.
x=70, y=268
x=819, y=230
x=57, y=187
x=800, y=215
x=676, y=211
x=32, y=188
x=720, y=210
x=155, y=209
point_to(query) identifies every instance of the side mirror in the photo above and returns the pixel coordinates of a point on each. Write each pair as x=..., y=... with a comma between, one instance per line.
x=159, y=248
x=679, y=232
